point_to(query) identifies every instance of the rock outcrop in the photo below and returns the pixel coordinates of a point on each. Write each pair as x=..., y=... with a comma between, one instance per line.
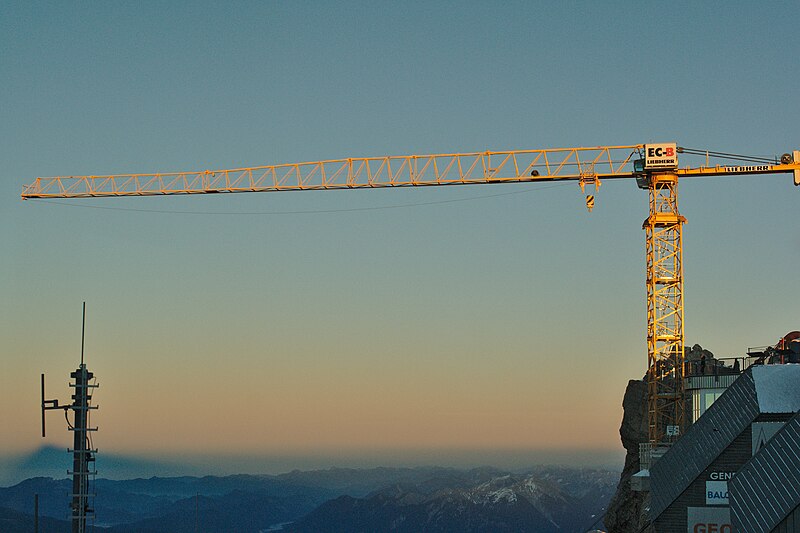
x=624, y=513
x=627, y=509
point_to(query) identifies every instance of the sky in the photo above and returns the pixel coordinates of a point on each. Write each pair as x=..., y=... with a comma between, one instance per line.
x=490, y=325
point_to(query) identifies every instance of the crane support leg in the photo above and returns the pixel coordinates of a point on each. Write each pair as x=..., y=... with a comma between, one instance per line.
x=665, y=352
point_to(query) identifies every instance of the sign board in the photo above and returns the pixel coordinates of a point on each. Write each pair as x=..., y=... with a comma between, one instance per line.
x=708, y=520
x=673, y=431
x=716, y=493
x=720, y=476
x=664, y=155
x=748, y=169
x=762, y=432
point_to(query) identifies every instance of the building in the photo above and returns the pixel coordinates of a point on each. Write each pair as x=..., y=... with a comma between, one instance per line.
x=689, y=483
x=765, y=492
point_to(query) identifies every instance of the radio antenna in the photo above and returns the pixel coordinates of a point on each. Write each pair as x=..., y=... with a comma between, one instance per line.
x=83, y=452
x=83, y=330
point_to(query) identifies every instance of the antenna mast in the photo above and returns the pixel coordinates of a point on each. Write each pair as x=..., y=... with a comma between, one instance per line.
x=83, y=330
x=83, y=454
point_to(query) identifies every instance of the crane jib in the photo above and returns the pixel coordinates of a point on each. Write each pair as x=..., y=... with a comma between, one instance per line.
x=745, y=169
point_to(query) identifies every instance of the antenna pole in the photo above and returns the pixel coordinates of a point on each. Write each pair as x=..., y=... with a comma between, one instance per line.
x=83, y=329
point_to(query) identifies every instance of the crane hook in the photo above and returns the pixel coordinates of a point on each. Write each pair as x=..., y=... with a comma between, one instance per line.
x=589, y=178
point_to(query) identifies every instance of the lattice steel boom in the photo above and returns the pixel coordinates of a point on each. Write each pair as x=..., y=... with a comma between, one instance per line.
x=357, y=173
x=654, y=166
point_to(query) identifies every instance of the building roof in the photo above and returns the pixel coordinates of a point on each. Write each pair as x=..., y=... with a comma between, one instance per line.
x=776, y=387
x=767, y=488
x=761, y=389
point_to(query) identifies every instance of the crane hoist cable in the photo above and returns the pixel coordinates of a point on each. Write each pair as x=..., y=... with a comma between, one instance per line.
x=724, y=155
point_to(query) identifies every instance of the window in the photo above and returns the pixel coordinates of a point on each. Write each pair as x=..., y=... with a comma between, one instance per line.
x=710, y=398
x=695, y=405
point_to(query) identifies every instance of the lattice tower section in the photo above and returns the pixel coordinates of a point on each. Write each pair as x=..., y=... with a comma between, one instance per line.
x=83, y=453
x=665, y=353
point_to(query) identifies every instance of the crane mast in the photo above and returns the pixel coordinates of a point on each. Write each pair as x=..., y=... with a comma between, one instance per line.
x=654, y=166
x=664, y=281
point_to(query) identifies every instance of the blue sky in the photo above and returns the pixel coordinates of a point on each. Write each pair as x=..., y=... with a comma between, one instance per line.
x=508, y=319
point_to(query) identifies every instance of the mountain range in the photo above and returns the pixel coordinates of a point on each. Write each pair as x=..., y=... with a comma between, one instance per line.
x=544, y=499
x=481, y=500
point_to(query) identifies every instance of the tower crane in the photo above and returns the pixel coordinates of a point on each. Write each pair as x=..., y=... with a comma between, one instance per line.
x=653, y=166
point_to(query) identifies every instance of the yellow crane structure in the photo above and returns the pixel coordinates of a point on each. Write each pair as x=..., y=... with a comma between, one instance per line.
x=653, y=166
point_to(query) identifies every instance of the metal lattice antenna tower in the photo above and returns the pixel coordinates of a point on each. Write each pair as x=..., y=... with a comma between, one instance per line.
x=83, y=453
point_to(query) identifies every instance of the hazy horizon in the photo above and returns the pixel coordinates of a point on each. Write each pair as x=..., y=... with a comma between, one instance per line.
x=53, y=462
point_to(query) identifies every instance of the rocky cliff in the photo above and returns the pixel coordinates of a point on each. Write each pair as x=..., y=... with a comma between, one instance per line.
x=624, y=513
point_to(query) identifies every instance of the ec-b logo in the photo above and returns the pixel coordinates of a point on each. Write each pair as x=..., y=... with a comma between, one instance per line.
x=661, y=151
x=660, y=156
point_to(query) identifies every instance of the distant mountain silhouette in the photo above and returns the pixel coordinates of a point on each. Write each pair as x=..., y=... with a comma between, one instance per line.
x=381, y=499
x=473, y=501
